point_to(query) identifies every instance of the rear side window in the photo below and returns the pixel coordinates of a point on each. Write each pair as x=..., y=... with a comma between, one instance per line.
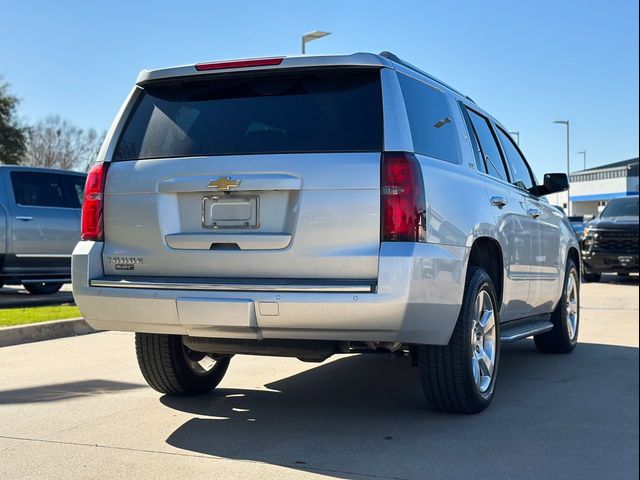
x=490, y=150
x=38, y=189
x=477, y=151
x=75, y=189
x=430, y=120
x=328, y=110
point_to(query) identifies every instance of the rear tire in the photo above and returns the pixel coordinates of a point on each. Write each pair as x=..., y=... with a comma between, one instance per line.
x=170, y=367
x=461, y=376
x=566, y=317
x=42, y=288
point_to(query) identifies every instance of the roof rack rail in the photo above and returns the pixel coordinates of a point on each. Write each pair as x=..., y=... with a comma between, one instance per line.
x=394, y=58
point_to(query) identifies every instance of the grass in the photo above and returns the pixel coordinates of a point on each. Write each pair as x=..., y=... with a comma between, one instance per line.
x=22, y=316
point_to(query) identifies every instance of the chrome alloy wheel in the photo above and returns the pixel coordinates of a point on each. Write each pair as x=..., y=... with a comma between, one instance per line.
x=572, y=305
x=483, y=341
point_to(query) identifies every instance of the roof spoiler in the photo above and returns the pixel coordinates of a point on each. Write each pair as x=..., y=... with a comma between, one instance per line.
x=257, y=64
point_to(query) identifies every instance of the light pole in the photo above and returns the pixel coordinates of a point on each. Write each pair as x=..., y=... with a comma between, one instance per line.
x=566, y=123
x=308, y=37
x=517, y=135
x=584, y=157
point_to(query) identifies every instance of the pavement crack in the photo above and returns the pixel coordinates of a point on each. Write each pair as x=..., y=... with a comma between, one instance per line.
x=193, y=455
x=96, y=445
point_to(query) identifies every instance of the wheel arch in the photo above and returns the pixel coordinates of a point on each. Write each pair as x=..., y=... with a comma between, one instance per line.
x=486, y=253
x=574, y=256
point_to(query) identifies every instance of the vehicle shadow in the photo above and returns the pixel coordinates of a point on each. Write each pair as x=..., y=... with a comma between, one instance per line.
x=620, y=279
x=63, y=391
x=573, y=416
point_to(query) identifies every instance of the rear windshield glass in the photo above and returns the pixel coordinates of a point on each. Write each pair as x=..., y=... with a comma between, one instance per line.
x=319, y=111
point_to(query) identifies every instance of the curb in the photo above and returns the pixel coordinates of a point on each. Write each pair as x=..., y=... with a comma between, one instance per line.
x=38, y=332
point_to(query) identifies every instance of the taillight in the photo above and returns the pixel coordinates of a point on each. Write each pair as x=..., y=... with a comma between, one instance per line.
x=255, y=62
x=402, y=194
x=92, y=228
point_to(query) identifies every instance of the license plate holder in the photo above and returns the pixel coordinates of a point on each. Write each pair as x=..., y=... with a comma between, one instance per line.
x=625, y=259
x=230, y=211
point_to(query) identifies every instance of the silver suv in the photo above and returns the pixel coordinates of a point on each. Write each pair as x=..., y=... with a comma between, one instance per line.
x=307, y=206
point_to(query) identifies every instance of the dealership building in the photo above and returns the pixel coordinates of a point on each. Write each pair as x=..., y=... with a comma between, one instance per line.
x=592, y=188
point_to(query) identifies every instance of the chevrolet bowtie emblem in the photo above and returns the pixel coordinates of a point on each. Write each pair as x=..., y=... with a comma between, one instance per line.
x=224, y=183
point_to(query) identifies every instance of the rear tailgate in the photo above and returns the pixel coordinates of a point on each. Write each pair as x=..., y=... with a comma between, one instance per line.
x=261, y=175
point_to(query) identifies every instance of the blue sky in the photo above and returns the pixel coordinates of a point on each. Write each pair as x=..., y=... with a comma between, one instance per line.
x=527, y=63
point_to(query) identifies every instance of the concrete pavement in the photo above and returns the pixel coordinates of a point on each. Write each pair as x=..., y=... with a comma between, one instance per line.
x=78, y=407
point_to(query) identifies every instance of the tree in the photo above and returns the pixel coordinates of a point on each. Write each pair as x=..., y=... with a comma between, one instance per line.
x=12, y=136
x=56, y=143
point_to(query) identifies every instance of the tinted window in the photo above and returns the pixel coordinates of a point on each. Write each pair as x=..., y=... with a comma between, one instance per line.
x=75, y=189
x=517, y=164
x=320, y=111
x=627, y=207
x=38, y=189
x=490, y=149
x=477, y=152
x=430, y=120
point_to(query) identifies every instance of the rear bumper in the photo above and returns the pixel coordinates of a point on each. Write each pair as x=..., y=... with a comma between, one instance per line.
x=417, y=299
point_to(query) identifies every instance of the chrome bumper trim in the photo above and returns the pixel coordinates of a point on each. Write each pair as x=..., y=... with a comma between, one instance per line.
x=236, y=287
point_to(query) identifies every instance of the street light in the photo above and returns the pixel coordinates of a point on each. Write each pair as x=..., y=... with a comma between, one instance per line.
x=308, y=37
x=566, y=123
x=584, y=157
x=517, y=135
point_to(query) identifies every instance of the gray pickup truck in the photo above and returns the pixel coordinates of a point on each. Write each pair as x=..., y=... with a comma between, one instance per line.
x=39, y=226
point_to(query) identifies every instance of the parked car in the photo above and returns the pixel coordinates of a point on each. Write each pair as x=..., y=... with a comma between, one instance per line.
x=39, y=226
x=307, y=206
x=610, y=242
x=578, y=223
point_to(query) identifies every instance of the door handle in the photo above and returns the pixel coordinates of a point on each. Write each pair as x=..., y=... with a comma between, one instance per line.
x=24, y=218
x=499, y=201
x=535, y=212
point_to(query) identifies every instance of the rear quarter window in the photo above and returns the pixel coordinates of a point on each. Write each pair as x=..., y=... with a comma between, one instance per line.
x=430, y=120
x=327, y=110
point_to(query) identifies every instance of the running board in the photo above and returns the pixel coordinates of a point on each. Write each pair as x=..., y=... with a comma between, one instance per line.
x=46, y=280
x=520, y=330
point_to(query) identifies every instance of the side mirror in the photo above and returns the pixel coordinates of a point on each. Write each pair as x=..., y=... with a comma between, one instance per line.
x=588, y=218
x=553, y=182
